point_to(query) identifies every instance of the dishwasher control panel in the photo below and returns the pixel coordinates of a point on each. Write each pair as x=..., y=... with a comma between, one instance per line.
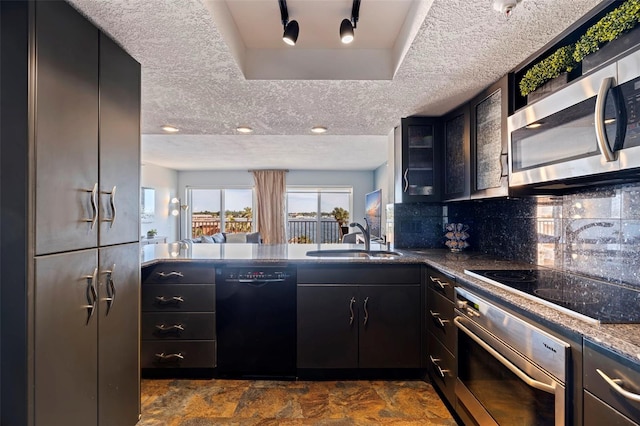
x=255, y=274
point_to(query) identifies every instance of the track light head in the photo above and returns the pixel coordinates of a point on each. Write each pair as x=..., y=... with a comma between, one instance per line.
x=291, y=30
x=346, y=31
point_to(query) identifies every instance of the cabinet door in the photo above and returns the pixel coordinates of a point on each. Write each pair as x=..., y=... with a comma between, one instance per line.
x=420, y=173
x=327, y=326
x=66, y=339
x=119, y=145
x=389, y=324
x=66, y=129
x=456, y=182
x=118, y=335
x=490, y=168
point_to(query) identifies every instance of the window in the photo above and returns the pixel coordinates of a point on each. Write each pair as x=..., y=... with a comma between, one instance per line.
x=206, y=205
x=317, y=215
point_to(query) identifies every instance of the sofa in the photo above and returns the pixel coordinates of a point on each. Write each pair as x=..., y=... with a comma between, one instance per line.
x=224, y=237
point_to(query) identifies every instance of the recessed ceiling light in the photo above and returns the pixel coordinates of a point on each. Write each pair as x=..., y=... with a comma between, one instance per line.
x=244, y=129
x=319, y=129
x=534, y=125
x=170, y=129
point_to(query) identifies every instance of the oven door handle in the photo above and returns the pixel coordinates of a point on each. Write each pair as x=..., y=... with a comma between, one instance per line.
x=515, y=370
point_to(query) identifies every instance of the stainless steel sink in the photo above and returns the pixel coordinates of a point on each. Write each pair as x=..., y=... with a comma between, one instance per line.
x=353, y=253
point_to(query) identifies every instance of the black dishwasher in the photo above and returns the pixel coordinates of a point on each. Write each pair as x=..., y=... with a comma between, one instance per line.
x=256, y=322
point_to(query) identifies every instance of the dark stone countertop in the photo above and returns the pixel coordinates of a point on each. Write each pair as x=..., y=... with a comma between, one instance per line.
x=623, y=339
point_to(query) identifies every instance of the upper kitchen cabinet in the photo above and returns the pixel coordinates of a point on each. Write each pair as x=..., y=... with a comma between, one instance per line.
x=119, y=144
x=457, y=166
x=417, y=160
x=66, y=130
x=489, y=146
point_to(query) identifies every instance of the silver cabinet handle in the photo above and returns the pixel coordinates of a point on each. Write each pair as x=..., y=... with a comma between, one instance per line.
x=169, y=357
x=351, y=302
x=601, y=135
x=92, y=294
x=436, y=316
x=616, y=385
x=366, y=311
x=177, y=328
x=441, y=284
x=170, y=274
x=94, y=205
x=161, y=300
x=406, y=180
x=515, y=370
x=435, y=362
x=112, y=203
x=504, y=165
x=111, y=288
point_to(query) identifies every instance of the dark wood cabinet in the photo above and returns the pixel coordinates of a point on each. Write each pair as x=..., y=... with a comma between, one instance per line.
x=457, y=161
x=440, y=359
x=71, y=299
x=119, y=184
x=489, y=141
x=66, y=129
x=178, y=317
x=353, y=317
x=418, y=160
x=66, y=343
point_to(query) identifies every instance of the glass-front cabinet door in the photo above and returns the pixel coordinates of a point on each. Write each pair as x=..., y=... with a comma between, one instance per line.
x=490, y=169
x=456, y=155
x=420, y=171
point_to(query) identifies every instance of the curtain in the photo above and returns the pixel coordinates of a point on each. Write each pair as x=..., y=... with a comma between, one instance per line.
x=271, y=190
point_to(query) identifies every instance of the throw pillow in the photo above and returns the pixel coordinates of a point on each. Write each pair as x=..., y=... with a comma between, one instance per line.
x=239, y=237
x=207, y=239
x=218, y=238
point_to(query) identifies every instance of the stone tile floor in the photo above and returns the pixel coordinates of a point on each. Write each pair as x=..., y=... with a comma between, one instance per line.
x=267, y=402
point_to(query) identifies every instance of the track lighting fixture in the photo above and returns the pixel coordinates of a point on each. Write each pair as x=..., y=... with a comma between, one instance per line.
x=291, y=28
x=347, y=26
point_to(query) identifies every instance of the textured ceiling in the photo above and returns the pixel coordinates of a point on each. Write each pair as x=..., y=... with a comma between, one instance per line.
x=190, y=79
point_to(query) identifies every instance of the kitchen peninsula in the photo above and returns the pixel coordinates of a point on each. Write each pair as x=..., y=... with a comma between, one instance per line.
x=622, y=340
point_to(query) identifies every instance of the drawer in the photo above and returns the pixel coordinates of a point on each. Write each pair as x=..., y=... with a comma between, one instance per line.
x=616, y=368
x=178, y=326
x=441, y=365
x=440, y=319
x=441, y=283
x=597, y=413
x=178, y=297
x=178, y=273
x=178, y=354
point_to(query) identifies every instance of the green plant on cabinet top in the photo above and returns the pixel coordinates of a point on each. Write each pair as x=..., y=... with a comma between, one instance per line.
x=610, y=27
x=551, y=67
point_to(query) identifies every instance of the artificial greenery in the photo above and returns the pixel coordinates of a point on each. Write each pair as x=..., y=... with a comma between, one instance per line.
x=551, y=67
x=610, y=27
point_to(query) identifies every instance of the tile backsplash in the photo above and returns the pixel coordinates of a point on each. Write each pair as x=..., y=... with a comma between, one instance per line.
x=593, y=232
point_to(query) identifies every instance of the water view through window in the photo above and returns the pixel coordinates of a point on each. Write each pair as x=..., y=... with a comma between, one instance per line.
x=207, y=205
x=317, y=215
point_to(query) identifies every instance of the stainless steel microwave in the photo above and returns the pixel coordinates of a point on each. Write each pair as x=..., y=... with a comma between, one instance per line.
x=588, y=131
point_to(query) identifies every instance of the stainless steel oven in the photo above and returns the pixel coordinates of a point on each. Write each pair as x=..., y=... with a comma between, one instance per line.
x=588, y=130
x=509, y=371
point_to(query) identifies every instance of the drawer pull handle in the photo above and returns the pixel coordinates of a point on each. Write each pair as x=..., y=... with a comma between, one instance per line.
x=112, y=203
x=92, y=294
x=94, y=205
x=351, y=302
x=164, y=301
x=441, y=284
x=436, y=316
x=366, y=311
x=170, y=357
x=439, y=369
x=616, y=384
x=177, y=328
x=170, y=274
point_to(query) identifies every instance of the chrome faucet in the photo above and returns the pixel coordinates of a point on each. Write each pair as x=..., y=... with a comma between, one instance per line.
x=365, y=233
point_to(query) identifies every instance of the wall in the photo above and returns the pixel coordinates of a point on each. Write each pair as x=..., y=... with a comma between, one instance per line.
x=594, y=232
x=165, y=182
x=361, y=181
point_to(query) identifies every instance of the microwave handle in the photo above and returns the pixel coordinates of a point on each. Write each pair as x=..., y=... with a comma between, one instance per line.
x=601, y=135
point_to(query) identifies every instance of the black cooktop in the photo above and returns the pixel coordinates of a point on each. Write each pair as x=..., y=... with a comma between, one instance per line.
x=587, y=298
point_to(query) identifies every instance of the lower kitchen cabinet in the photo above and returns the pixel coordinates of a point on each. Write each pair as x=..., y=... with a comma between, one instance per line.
x=344, y=324
x=178, y=317
x=86, y=337
x=441, y=332
x=611, y=387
